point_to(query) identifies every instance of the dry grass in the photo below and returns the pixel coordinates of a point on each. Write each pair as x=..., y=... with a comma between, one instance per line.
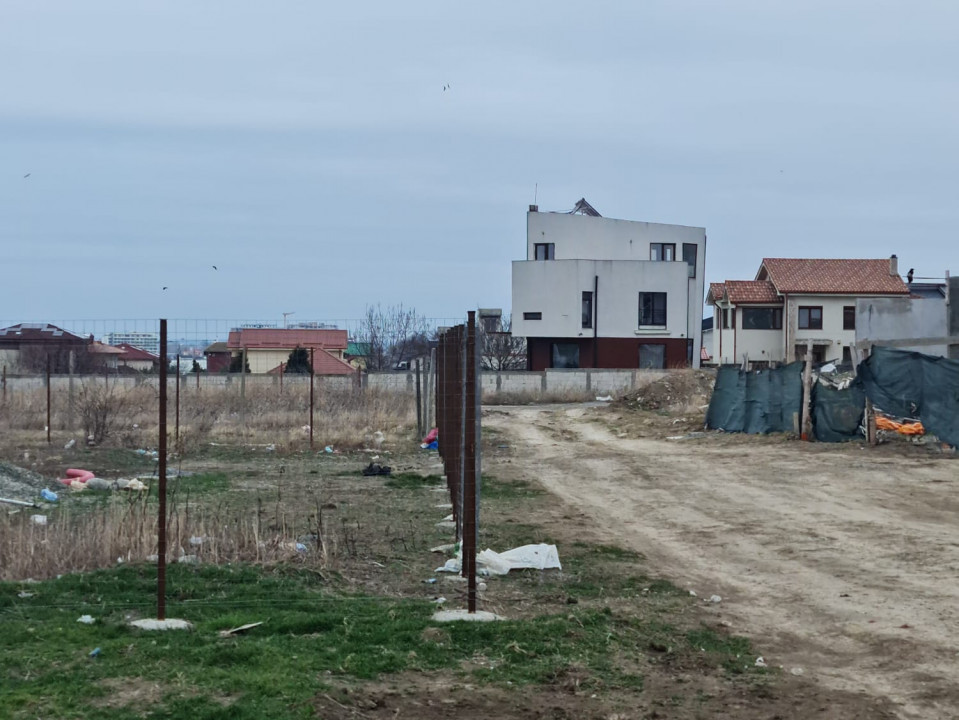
x=80, y=538
x=125, y=416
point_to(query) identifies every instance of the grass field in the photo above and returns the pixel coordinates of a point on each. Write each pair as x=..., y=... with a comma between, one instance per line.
x=346, y=614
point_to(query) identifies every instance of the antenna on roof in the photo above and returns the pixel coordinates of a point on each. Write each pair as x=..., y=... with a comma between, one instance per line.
x=285, y=316
x=535, y=193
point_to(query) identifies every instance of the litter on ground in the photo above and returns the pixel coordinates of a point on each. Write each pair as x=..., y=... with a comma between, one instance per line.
x=488, y=562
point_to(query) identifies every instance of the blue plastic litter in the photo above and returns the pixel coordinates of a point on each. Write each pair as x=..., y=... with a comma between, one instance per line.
x=48, y=495
x=95, y=652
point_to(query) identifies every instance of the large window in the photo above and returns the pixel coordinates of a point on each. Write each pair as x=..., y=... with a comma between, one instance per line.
x=810, y=317
x=545, y=251
x=689, y=255
x=849, y=317
x=587, y=309
x=565, y=355
x=652, y=309
x=652, y=357
x=532, y=316
x=762, y=319
x=662, y=252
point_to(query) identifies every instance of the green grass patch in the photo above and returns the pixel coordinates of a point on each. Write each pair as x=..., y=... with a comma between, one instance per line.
x=608, y=552
x=494, y=489
x=311, y=631
x=733, y=652
x=412, y=481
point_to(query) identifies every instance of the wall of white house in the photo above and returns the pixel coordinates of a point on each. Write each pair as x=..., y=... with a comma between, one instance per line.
x=618, y=251
x=582, y=237
x=831, y=335
x=555, y=289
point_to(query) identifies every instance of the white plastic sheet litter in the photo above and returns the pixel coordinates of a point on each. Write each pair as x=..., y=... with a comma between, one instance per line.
x=488, y=562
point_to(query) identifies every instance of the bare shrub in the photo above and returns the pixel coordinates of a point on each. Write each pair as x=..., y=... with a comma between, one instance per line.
x=100, y=406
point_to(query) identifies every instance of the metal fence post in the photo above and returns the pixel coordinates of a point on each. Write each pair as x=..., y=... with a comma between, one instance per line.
x=48, y=398
x=470, y=428
x=161, y=471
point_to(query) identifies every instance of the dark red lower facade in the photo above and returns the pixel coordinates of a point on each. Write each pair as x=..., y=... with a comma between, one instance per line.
x=610, y=353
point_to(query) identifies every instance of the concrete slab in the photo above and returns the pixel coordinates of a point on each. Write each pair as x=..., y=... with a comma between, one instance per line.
x=168, y=624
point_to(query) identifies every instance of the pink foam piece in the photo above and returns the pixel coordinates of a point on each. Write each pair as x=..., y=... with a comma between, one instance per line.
x=78, y=475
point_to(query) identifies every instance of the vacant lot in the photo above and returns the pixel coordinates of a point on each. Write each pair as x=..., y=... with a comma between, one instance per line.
x=805, y=545
x=840, y=562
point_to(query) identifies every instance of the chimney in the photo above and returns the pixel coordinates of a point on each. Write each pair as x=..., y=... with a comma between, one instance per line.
x=534, y=208
x=894, y=265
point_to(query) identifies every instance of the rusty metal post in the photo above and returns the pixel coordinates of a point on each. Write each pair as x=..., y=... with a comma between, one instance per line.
x=161, y=472
x=176, y=437
x=469, y=461
x=48, y=398
x=311, y=398
x=419, y=403
x=198, y=382
x=3, y=382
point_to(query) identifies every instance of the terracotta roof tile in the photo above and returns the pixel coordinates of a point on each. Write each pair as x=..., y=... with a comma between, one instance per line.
x=745, y=292
x=323, y=364
x=833, y=276
x=287, y=338
x=134, y=353
x=716, y=291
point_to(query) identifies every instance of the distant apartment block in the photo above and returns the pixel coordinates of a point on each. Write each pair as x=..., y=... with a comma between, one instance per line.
x=143, y=340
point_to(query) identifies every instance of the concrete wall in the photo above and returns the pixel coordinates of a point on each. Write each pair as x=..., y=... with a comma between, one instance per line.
x=880, y=319
x=618, y=252
x=531, y=384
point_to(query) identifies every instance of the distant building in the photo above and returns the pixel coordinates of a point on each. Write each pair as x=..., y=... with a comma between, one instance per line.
x=28, y=347
x=136, y=359
x=143, y=340
x=267, y=350
x=595, y=292
x=794, y=302
x=218, y=357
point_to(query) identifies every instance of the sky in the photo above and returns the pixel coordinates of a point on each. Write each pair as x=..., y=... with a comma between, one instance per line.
x=310, y=152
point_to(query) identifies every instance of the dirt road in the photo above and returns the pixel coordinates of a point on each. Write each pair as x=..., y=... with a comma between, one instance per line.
x=840, y=563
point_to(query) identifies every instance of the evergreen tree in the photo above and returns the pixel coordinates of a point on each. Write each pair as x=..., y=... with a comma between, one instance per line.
x=298, y=362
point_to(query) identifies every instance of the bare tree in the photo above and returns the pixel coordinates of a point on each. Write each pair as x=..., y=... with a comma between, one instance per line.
x=394, y=334
x=501, y=350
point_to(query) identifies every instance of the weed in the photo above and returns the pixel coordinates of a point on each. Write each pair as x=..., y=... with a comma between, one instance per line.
x=412, y=481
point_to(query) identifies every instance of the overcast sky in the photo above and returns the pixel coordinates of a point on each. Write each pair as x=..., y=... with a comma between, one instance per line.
x=310, y=152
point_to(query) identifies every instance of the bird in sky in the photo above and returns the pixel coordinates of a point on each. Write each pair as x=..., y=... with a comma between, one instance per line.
x=214, y=267
x=446, y=87
x=164, y=287
x=27, y=175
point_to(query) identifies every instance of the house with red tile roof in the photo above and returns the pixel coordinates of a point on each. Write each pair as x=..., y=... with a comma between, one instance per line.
x=137, y=359
x=794, y=301
x=268, y=349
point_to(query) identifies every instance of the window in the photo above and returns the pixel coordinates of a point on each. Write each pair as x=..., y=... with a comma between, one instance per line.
x=652, y=357
x=810, y=317
x=587, y=309
x=849, y=317
x=762, y=319
x=652, y=309
x=545, y=251
x=689, y=255
x=565, y=355
x=662, y=252
x=532, y=316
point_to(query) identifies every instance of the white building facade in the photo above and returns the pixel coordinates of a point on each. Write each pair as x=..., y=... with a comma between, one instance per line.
x=596, y=292
x=794, y=303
